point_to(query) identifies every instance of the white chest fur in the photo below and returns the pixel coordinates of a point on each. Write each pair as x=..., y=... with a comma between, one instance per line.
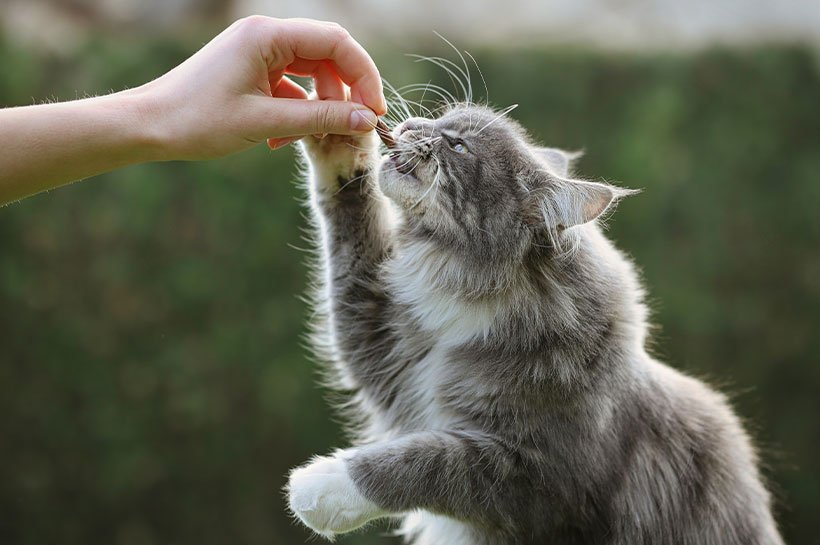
x=424, y=528
x=427, y=377
x=415, y=276
x=448, y=319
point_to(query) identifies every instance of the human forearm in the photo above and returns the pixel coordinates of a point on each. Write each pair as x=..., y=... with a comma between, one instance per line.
x=49, y=145
x=230, y=95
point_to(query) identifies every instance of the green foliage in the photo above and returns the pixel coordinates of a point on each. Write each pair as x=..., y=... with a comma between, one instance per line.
x=152, y=382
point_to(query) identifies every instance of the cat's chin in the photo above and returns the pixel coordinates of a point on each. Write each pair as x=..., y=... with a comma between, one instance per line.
x=404, y=188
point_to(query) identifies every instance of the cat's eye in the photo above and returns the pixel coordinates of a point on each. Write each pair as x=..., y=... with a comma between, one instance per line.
x=456, y=144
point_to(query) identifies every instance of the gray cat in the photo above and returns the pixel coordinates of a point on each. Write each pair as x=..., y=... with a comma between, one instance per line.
x=493, y=341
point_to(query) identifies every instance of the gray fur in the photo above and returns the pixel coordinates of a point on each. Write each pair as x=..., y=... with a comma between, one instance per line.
x=493, y=343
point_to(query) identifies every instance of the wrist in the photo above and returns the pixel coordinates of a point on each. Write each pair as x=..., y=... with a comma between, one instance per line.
x=147, y=125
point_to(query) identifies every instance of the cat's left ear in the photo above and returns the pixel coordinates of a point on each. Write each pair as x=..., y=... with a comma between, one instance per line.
x=564, y=203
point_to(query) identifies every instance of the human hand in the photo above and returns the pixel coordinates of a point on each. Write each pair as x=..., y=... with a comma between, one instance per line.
x=234, y=92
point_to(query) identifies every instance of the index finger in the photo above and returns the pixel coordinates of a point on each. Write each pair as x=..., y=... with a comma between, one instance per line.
x=315, y=40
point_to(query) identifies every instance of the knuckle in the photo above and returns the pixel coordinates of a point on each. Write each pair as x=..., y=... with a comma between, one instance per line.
x=254, y=21
x=341, y=33
x=259, y=24
x=325, y=119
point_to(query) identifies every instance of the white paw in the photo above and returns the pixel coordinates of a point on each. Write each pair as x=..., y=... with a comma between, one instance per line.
x=325, y=499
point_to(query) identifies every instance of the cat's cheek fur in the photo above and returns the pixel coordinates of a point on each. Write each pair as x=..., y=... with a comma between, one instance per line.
x=324, y=497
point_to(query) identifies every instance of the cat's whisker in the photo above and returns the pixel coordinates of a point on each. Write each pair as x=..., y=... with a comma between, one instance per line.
x=442, y=63
x=393, y=117
x=501, y=114
x=401, y=100
x=433, y=184
x=404, y=103
x=427, y=139
x=436, y=181
x=427, y=111
x=409, y=160
x=432, y=113
x=417, y=163
x=442, y=93
x=458, y=74
x=422, y=108
x=357, y=148
x=436, y=107
x=417, y=103
x=352, y=180
x=465, y=71
x=481, y=74
x=400, y=166
x=391, y=88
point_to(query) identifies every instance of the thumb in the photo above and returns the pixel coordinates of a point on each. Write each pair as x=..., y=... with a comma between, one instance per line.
x=283, y=117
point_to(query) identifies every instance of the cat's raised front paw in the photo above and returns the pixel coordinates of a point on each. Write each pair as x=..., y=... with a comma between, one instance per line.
x=324, y=498
x=338, y=159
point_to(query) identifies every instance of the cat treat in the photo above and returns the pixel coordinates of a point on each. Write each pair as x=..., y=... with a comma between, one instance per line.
x=384, y=134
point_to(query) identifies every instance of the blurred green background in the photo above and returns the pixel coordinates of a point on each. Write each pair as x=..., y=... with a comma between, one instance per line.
x=153, y=384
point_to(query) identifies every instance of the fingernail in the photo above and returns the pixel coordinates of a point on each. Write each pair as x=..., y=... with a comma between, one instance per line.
x=362, y=120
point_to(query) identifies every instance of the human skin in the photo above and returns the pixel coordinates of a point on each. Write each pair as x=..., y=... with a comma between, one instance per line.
x=232, y=94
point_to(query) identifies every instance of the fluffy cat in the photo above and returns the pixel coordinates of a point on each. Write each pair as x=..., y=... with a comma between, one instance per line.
x=492, y=339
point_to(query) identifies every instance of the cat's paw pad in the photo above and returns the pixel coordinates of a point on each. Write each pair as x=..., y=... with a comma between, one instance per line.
x=324, y=498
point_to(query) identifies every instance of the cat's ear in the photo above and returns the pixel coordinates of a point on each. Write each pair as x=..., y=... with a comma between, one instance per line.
x=558, y=161
x=564, y=203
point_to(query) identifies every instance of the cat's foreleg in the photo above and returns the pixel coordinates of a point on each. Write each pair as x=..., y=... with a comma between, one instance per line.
x=460, y=474
x=351, y=211
x=352, y=216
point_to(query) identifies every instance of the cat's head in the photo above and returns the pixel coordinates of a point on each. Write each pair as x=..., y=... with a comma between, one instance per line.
x=471, y=181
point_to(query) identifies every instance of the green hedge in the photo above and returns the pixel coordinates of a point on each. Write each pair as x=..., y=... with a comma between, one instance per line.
x=153, y=385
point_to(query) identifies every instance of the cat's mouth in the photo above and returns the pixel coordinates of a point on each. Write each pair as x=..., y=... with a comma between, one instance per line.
x=405, y=169
x=405, y=165
x=406, y=156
